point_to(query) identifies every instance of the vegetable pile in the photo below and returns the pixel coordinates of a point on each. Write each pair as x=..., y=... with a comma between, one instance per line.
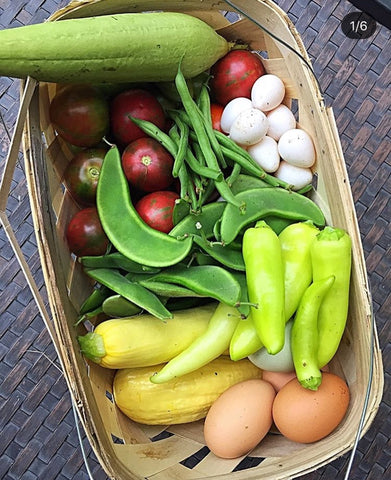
x=218, y=287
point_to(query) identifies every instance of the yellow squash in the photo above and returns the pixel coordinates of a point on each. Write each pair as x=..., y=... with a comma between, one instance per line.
x=144, y=340
x=183, y=399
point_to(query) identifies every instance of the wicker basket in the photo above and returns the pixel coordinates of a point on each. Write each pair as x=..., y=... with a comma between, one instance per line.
x=125, y=449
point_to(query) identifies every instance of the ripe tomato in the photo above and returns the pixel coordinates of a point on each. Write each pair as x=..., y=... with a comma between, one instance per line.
x=233, y=75
x=85, y=235
x=147, y=165
x=80, y=115
x=156, y=209
x=82, y=174
x=216, y=111
x=137, y=103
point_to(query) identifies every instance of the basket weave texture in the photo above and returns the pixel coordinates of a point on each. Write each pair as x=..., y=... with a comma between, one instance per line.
x=35, y=414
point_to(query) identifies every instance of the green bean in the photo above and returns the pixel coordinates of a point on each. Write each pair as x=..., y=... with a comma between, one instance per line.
x=123, y=226
x=197, y=167
x=181, y=140
x=262, y=202
x=155, y=132
x=132, y=291
x=234, y=175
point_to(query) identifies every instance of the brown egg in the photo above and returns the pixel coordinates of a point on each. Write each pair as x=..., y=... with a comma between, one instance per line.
x=278, y=379
x=306, y=416
x=239, y=419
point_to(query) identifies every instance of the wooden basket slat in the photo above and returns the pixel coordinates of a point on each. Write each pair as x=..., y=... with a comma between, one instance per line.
x=67, y=285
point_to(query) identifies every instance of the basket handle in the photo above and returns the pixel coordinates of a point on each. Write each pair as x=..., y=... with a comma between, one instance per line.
x=5, y=189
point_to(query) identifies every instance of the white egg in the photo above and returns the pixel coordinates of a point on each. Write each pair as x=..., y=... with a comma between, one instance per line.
x=232, y=110
x=296, y=147
x=249, y=127
x=298, y=177
x=265, y=153
x=267, y=92
x=281, y=361
x=281, y=119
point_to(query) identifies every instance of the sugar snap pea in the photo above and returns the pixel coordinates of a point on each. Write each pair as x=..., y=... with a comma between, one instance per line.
x=209, y=280
x=262, y=202
x=124, y=227
x=193, y=224
x=132, y=291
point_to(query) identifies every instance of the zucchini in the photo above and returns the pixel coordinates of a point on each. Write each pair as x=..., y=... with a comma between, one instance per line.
x=128, y=47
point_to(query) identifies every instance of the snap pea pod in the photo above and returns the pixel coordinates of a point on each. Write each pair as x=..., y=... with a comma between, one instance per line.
x=265, y=284
x=132, y=291
x=123, y=226
x=192, y=224
x=206, y=280
x=296, y=241
x=115, y=260
x=225, y=255
x=262, y=202
x=331, y=254
x=208, y=346
x=304, y=336
x=117, y=306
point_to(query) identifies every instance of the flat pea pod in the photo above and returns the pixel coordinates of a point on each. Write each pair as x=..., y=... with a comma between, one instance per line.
x=115, y=260
x=278, y=224
x=331, y=254
x=181, y=210
x=245, y=340
x=304, y=335
x=117, y=306
x=165, y=289
x=124, y=227
x=94, y=300
x=247, y=182
x=207, y=280
x=192, y=224
x=296, y=241
x=132, y=291
x=265, y=284
x=208, y=346
x=262, y=202
x=225, y=255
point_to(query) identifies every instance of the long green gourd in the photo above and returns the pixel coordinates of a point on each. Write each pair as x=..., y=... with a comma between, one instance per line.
x=129, y=47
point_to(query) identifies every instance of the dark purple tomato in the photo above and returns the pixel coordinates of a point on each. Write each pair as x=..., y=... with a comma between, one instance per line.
x=156, y=209
x=85, y=235
x=82, y=174
x=135, y=103
x=234, y=75
x=147, y=165
x=80, y=115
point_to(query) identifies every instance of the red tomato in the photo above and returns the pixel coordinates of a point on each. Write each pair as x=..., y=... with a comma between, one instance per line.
x=234, y=75
x=156, y=209
x=85, y=235
x=137, y=103
x=216, y=111
x=80, y=115
x=147, y=165
x=82, y=174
